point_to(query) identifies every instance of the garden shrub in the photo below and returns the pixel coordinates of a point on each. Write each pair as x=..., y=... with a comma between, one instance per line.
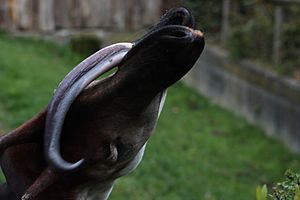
x=291, y=40
x=251, y=32
x=286, y=190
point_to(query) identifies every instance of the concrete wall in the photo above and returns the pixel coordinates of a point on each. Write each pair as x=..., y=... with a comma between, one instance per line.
x=51, y=15
x=263, y=98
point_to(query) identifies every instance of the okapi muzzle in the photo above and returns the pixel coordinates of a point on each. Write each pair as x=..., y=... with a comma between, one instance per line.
x=94, y=131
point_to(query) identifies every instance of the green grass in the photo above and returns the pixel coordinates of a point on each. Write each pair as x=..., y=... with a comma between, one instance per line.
x=29, y=72
x=198, y=151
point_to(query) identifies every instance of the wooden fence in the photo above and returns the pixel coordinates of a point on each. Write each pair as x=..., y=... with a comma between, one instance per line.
x=277, y=30
x=51, y=15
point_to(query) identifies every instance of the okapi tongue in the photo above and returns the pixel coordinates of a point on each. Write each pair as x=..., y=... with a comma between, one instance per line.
x=70, y=87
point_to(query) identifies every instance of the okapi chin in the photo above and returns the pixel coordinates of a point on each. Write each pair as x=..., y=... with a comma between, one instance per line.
x=95, y=131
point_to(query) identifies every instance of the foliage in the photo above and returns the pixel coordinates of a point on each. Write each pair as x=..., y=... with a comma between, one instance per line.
x=286, y=190
x=251, y=34
x=297, y=193
x=251, y=31
x=291, y=41
x=261, y=193
x=199, y=151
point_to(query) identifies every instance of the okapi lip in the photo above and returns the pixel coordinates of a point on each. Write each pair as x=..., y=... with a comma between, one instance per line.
x=168, y=32
x=182, y=33
x=186, y=33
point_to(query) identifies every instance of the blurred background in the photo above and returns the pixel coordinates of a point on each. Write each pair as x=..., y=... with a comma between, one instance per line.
x=232, y=124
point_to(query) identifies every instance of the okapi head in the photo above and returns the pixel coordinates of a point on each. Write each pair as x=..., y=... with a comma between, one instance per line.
x=98, y=129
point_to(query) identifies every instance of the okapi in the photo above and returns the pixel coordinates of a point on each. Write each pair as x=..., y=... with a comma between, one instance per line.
x=95, y=131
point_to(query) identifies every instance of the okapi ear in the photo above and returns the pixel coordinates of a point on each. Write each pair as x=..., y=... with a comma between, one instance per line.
x=27, y=132
x=113, y=153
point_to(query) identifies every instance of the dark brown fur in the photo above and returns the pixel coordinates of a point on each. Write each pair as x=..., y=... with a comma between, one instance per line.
x=108, y=123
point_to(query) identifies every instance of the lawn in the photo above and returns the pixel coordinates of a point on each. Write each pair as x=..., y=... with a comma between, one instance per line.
x=198, y=151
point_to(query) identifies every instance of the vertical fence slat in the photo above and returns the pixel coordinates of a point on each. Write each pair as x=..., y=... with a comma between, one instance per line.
x=278, y=20
x=3, y=14
x=75, y=14
x=61, y=12
x=105, y=19
x=225, y=21
x=151, y=11
x=24, y=14
x=118, y=14
x=46, y=15
x=91, y=13
x=35, y=14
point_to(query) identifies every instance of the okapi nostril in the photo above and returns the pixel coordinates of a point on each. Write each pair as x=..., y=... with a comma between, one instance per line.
x=183, y=13
x=178, y=34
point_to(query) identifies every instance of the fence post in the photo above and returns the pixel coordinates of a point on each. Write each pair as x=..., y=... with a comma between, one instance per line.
x=278, y=19
x=225, y=21
x=46, y=15
x=3, y=14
